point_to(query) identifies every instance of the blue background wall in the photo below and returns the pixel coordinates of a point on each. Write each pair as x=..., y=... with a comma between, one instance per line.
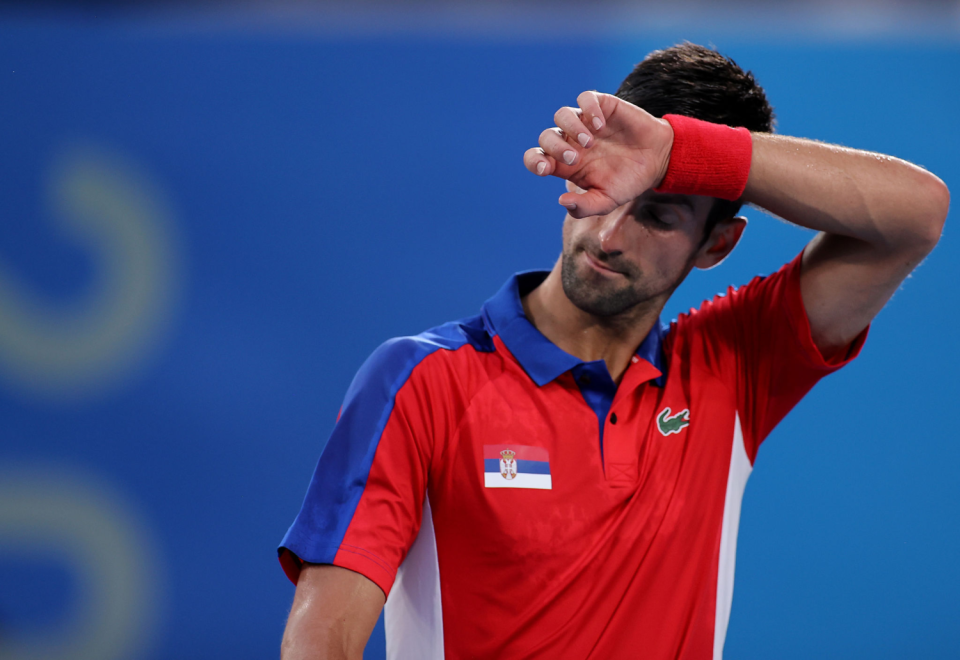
x=205, y=230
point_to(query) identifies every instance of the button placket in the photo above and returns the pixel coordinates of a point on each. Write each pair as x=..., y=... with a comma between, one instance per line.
x=598, y=391
x=622, y=438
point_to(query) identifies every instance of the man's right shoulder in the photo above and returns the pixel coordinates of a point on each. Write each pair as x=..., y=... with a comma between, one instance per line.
x=446, y=351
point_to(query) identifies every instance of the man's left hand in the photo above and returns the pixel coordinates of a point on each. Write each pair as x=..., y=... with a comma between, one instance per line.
x=624, y=152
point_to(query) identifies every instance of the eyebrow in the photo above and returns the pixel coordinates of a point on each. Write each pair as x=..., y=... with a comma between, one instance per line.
x=679, y=200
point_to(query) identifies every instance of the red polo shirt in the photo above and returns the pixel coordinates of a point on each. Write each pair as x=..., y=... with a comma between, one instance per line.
x=513, y=502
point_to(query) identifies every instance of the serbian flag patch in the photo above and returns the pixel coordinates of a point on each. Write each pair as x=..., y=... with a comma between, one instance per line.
x=516, y=466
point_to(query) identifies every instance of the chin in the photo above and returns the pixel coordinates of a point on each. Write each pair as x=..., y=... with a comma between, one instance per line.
x=599, y=297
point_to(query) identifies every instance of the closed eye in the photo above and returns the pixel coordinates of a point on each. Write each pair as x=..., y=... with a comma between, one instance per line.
x=656, y=216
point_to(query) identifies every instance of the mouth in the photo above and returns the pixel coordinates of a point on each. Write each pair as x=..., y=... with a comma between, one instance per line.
x=599, y=266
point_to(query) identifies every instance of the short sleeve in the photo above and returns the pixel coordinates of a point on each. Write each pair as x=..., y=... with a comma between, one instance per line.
x=364, y=504
x=761, y=336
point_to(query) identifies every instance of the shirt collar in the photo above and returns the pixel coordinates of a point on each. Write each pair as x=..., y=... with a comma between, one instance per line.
x=540, y=358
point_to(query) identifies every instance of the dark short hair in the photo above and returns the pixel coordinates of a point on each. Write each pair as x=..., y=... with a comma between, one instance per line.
x=696, y=81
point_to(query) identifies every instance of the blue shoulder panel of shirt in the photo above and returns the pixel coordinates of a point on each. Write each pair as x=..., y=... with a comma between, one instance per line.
x=341, y=473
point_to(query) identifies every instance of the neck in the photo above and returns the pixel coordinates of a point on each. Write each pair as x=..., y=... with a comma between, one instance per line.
x=611, y=339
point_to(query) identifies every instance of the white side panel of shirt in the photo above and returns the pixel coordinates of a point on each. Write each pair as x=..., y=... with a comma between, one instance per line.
x=740, y=469
x=413, y=616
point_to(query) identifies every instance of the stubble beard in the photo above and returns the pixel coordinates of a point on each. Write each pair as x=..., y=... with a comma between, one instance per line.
x=597, y=295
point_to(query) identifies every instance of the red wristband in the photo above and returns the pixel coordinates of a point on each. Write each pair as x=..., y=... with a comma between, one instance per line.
x=707, y=159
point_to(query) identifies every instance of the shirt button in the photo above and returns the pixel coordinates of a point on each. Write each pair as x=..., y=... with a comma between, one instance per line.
x=613, y=418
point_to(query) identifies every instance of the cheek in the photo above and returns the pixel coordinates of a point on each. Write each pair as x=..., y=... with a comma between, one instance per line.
x=666, y=255
x=567, y=231
x=573, y=231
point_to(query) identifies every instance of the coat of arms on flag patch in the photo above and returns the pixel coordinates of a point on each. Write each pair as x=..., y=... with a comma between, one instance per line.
x=516, y=466
x=508, y=464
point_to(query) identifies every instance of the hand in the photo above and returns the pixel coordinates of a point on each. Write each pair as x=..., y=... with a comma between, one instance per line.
x=625, y=152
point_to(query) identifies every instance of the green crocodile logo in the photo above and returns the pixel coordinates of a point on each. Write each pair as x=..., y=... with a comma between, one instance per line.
x=674, y=424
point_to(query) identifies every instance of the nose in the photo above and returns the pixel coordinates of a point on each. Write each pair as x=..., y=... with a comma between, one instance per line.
x=612, y=234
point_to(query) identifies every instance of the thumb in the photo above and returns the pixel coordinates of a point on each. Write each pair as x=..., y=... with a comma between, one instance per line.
x=587, y=203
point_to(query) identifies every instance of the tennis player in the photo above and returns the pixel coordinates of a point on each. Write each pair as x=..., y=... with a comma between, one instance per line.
x=560, y=476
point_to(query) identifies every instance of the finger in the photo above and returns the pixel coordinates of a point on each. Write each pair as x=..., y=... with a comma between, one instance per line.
x=589, y=103
x=568, y=119
x=587, y=203
x=538, y=162
x=553, y=144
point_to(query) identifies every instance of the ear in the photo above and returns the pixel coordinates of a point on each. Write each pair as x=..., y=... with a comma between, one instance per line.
x=724, y=237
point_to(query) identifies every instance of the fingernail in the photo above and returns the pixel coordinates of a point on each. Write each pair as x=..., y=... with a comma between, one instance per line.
x=583, y=139
x=569, y=157
x=568, y=205
x=597, y=124
x=541, y=167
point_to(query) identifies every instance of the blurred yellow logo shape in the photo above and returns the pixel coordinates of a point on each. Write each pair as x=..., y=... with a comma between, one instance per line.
x=101, y=202
x=72, y=520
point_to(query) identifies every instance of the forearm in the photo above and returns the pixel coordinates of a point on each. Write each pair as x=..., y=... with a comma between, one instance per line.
x=885, y=202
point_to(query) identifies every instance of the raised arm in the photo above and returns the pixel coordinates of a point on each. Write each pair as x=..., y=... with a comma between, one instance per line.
x=334, y=612
x=878, y=218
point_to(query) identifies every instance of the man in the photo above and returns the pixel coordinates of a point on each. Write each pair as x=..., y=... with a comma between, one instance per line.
x=561, y=476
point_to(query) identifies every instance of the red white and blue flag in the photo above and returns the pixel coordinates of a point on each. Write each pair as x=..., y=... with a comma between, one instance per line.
x=516, y=466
